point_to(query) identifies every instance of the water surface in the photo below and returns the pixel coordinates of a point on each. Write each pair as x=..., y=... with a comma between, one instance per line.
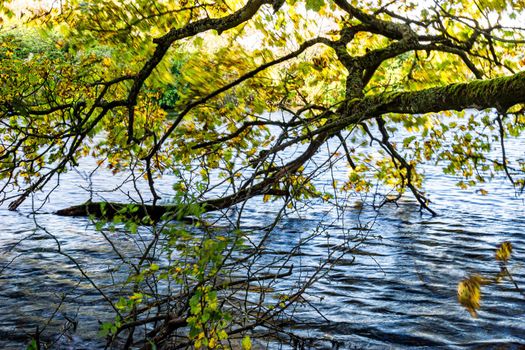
x=400, y=291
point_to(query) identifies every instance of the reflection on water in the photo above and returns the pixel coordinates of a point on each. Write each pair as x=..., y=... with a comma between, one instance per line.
x=400, y=291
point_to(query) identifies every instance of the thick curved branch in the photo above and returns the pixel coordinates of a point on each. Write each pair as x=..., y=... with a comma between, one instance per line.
x=499, y=93
x=373, y=59
x=389, y=29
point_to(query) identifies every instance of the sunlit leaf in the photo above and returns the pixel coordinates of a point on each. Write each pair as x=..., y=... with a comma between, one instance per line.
x=246, y=343
x=504, y=251
x=469, y=294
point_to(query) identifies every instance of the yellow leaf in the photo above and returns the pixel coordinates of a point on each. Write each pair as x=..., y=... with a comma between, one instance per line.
x=212, y=343
x=503, y=252
x=469, y=294
x=246, y=343
x=106, y=61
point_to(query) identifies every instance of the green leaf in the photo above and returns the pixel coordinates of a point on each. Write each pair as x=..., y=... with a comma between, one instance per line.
x=198, y=41
x=314, y=5
x=32, y=345
x=408, y=140
x=246, y=343
x=195, y=303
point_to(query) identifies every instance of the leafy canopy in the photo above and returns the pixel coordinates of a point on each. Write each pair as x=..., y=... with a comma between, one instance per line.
x=188, y=85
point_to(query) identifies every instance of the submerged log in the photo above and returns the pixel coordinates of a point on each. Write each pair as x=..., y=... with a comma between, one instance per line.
x=140, y=212
x=108, y=210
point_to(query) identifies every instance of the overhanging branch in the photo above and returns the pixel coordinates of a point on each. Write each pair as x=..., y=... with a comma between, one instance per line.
x=499, y=93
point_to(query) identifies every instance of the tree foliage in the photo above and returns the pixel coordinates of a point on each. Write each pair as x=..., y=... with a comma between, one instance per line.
x=173, y=83
x=189, y=87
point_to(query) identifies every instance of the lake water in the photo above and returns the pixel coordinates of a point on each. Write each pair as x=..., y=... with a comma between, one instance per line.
x=400, y=290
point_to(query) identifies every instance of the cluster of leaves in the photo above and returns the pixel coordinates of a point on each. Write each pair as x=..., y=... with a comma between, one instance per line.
x=469, y=289
x=189, y=267
x=37, y=76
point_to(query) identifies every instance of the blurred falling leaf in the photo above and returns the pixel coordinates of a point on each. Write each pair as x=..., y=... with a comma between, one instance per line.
x=469, y=294
x=503, y=252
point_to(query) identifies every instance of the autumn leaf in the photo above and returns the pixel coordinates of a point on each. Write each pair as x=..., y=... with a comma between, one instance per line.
x=246, y=343
x=504, y=251
x=469, y=294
